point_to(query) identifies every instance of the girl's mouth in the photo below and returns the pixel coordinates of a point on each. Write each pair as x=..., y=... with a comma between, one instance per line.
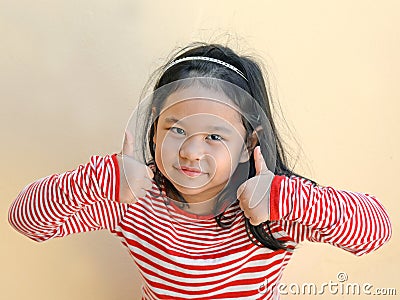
x=191, y=172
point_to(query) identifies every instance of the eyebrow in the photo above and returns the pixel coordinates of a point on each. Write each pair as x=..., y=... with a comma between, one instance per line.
x=224, y=129
x=171, y=120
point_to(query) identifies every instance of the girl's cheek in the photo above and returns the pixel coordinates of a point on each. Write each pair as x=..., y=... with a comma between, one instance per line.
x=166, y=153
x=169, y=145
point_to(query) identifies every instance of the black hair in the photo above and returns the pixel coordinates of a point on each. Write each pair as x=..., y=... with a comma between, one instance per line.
x=256, y=87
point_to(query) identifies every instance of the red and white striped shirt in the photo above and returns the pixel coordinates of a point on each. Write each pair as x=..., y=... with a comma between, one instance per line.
x=183, y=257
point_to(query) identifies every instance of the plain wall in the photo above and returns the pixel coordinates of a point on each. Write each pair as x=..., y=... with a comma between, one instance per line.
x=71, y=72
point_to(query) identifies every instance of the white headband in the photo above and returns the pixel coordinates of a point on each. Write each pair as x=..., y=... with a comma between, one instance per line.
x=214, y=60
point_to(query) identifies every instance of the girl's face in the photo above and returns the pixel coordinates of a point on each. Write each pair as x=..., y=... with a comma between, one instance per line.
x=199, y=142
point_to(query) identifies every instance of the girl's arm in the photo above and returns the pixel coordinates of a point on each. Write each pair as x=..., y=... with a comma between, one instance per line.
x=355, y=222
x=81, y=200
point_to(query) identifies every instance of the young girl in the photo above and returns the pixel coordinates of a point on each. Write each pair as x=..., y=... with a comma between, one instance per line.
x=201, y=194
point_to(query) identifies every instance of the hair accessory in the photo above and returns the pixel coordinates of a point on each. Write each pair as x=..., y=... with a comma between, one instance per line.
x=214, y=60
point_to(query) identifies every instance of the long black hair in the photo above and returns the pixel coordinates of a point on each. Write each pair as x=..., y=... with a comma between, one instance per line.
x=254, y=84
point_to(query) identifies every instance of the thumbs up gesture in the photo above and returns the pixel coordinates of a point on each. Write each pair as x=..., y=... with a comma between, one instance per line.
x=135, y=177
x=253, y=194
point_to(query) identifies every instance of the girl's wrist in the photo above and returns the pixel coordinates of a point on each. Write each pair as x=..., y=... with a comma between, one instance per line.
x=274, y=197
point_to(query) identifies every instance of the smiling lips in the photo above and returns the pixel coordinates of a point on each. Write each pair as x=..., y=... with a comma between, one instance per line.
x=191, y=172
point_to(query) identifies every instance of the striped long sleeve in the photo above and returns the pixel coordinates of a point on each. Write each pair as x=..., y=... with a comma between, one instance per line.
x=182, y=256
x=355, y=222
x=76, y=201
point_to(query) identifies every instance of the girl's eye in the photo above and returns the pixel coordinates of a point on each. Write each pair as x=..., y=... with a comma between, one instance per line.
x=215, y=137
x=177, y=130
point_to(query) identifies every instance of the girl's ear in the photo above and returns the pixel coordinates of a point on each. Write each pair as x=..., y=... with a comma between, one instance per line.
x=247, y=149
x=244, y=155
x=155, y=133
x=154, y=125
x=154, y=136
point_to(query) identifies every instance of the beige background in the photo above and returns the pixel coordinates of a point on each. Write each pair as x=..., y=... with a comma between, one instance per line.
x=71, y=72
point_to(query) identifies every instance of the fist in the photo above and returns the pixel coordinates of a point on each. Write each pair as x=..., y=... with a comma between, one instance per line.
x=135, y=177
x=253, y=194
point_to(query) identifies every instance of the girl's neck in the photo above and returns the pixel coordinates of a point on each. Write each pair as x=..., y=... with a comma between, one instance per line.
x=194, y=204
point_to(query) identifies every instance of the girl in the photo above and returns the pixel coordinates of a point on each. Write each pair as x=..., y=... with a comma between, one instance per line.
x=202, y=197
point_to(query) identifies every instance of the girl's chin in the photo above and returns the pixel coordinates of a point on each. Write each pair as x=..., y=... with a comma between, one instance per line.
x=196, y=195
x=191, y=191
x=196, y=190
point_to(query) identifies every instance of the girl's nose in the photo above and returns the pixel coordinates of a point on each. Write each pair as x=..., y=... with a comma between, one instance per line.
x=192, y=148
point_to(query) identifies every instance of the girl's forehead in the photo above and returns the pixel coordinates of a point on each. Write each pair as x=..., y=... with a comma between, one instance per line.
x=198, y=91
x=198, y=100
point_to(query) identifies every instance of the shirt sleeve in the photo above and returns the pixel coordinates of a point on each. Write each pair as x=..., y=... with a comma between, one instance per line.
x=355, y=222
x=81, y=200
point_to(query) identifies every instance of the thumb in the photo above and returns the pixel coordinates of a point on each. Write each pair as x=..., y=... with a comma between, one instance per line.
x=259, y=162
x=128, y=147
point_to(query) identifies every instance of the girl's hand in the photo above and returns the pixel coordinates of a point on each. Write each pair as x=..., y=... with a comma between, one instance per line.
x=253, y=194
x=135, y=177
